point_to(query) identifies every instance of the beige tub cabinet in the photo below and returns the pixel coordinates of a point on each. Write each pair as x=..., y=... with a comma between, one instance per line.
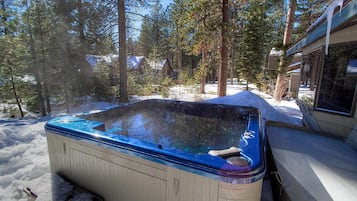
x=116, y=176
x=124, y=173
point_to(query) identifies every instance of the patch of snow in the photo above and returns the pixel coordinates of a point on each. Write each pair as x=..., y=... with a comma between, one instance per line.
x=295, y=64
x=157, y=64
x=275, y=52
x=93, y=60
x=247, y=98
x=24, y=156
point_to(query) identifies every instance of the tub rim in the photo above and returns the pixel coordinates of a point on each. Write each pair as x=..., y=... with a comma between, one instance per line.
x=78, y=128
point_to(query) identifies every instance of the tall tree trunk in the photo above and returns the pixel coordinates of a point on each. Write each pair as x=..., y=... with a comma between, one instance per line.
x=68, y=98
x=17, y=98
x=233, y=64
x=123, y=84
x=233, y=41
x=82, y=37
x=44, y=64
x=13, y=84
x=280, y=81
x=222, y=76
x=179, y=51
x=40, y=100
x=204, y=69
x=179, y=61
x=84, y=80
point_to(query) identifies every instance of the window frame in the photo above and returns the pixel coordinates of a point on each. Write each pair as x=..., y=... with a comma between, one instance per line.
x=320, y=77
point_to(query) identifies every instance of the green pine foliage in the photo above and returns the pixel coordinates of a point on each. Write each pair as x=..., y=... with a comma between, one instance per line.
x=12, y=58
x=307, y=12
x=253, y=42
x=49, y=40
x=148, y=82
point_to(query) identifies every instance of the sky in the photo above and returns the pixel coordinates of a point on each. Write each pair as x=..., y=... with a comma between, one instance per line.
x=137, y=19
x=165, y=3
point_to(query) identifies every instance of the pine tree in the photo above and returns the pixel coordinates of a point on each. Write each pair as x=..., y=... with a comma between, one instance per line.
x=280, y=84
x=253, y=42
x=307, y=11
x=34, y=61
x=222, y=74
x=203, y=23
x=178, y=33
x=13, y=53
x=145, y=40
x=123, y=85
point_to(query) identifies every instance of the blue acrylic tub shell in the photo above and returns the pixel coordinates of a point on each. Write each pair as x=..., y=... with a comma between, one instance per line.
x=81, y=128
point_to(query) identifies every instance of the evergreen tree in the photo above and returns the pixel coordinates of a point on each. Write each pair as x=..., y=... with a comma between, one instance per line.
x=203, y=23
x=307, y=11
x=178, y=33
x=145, y=40
x=222, y=74
x=123, y=85
x=29, y=17
x=280, y=84
x=253, y=42
x=100, y=24
x=13, y=53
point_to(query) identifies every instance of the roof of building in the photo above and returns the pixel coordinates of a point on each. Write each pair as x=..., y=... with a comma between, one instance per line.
x=133, y=62
x=326, y=23
x=157, y=64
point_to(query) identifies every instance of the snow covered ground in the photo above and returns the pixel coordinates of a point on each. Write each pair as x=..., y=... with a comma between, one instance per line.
x=23, y=148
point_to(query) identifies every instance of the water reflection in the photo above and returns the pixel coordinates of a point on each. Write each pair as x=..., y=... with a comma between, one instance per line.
x=175, y=130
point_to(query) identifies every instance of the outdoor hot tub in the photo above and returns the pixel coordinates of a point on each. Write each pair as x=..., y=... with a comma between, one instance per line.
x=161, y=150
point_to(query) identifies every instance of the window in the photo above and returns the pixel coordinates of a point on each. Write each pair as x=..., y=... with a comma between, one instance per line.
x=338, y=80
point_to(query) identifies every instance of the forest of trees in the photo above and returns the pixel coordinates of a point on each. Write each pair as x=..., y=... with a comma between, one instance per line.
x=44, y=43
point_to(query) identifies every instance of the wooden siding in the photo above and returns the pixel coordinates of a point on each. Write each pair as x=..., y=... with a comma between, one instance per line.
x=336, y=124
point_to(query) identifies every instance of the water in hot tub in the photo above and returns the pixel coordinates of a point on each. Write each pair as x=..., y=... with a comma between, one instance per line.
x=172, y=130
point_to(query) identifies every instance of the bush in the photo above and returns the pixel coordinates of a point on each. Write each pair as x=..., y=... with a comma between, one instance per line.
x=148, y=82
x=32, y=104
x=187, y=78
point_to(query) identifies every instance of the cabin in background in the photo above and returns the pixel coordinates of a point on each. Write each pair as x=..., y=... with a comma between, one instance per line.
x=292, y=81
x=134, y=63
x=161, y=66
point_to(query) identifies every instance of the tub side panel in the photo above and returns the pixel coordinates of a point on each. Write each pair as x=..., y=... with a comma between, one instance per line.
x=59, y=154
x=90, y=172
x=240, y=192
x=131, y=185
x=185, y=186
x=117, y=175
x=114, y=177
